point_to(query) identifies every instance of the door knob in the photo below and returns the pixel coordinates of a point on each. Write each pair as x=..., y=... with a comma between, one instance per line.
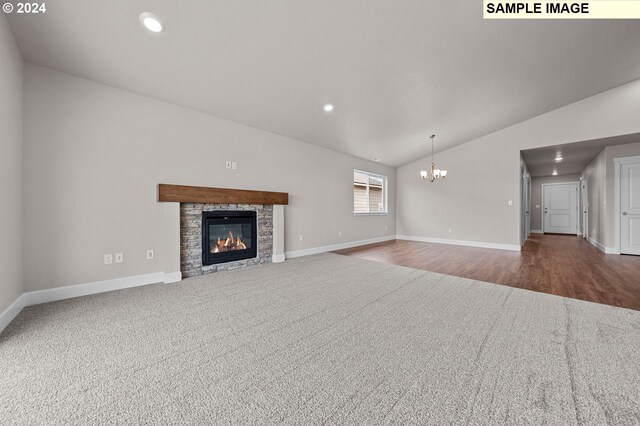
x=624, y=213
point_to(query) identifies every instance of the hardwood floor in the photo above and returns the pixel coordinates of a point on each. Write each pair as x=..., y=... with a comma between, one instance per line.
x=556, y=264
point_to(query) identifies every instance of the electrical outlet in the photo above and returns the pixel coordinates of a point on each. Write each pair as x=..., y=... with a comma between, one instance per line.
x=228, y=164
x=108, y=259
x=450, y=230
x=510, y=202
x=119, y=257
x=339, y=233
x=386, y=228
x=300, y=237
x=149, y=254
x=234, y=165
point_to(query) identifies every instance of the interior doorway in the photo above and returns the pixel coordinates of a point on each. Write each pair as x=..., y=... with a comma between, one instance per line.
x=560, y=208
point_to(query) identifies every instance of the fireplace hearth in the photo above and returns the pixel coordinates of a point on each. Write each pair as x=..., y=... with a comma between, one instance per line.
x=228, y=236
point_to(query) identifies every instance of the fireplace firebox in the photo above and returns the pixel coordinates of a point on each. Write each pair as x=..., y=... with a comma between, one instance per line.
x=228, y=236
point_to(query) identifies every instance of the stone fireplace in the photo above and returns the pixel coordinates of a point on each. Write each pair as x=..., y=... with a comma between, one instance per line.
x=216, y=237
x=214, y=229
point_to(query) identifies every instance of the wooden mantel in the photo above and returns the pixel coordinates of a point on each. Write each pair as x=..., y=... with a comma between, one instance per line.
x=201, y=194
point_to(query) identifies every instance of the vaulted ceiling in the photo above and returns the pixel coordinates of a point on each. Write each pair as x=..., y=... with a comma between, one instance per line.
x=395, y=71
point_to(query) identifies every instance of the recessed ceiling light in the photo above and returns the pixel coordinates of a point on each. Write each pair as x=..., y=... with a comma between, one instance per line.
x=376, y=159
x=555, y=173
x=559, y=159
x=328, y=107
x=151, y=22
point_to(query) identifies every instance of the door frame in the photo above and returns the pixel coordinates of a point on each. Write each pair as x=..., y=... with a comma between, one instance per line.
x=525, y=201
x=584, y=204
x=528, y=206
x=525, y=177
x=577, y=185
x=617, y=163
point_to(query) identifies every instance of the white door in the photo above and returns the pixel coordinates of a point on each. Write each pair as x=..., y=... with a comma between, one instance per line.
x=630, y=208
x=560, y=202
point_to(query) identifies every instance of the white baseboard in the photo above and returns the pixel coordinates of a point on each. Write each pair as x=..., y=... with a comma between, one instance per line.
x=277, y=258
x=602, y=248
x=596, y=244
x=67, y=292
x=537, y=231
x=497, y=246
x=11, y=312
x=59, y=293
x=340, y=246
x=171, y=277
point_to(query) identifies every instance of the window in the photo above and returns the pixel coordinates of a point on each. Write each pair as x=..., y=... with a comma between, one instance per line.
x=369, y=193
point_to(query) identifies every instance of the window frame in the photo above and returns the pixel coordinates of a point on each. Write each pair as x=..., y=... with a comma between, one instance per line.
x=385, y=194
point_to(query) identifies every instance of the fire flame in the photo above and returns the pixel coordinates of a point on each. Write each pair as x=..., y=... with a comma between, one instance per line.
x=228, y=244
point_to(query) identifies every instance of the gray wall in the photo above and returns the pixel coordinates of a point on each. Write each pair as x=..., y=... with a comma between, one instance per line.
x=536, y=197
x=94, y=155
x=484, y=173
x=10, y=167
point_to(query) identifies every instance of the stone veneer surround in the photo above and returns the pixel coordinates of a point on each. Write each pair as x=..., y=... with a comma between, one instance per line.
x=191, y=237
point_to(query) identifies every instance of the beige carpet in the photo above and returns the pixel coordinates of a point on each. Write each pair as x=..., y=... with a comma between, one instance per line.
x=324, y=339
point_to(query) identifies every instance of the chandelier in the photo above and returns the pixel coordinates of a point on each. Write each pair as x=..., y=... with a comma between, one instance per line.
x=433, y=173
